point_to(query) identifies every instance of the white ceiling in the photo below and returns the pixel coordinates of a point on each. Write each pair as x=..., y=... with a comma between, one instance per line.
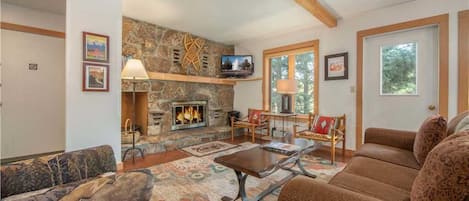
x=230, y=21
x=53, y=6
x=226, y=21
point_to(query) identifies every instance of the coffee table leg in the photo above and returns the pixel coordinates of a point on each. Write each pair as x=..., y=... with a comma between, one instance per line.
x=305, y=172
x=242, y=187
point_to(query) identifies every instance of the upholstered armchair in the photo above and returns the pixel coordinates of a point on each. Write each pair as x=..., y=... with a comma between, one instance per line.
x=254, y=121
x=324, y=129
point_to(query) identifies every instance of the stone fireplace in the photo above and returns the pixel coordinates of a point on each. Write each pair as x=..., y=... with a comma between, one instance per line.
x=188, y=114
x=201, y=107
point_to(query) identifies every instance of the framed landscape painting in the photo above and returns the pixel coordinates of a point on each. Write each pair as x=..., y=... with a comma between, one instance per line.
x=95, y=77
x=336, y=66
x=95, y=47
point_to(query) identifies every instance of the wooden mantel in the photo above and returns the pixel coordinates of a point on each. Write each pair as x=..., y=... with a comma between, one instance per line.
x=197, y=79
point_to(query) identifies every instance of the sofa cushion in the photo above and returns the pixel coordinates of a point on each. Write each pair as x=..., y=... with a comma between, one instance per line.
x=82, y=164
x=388, y=154
x=25, y=176
x=388, y=173
x=431, y=132
x=445, y=174
x=455, y=121
x=369, y=187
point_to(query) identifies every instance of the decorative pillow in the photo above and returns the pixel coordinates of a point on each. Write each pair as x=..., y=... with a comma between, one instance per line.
x=255, y=116
x=323, y=125
x=463, y=125
x=455, y=121
x=445, y=174
x=431, y=132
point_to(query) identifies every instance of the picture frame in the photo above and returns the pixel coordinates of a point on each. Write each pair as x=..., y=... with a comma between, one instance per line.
x=336, y=66
x=95, y=77
x=95, y=47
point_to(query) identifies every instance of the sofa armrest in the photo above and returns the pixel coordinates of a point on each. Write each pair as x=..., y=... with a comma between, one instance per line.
x=389, y=137
x=302, y=188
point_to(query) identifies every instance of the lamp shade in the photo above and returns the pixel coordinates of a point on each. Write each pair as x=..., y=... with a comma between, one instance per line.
x=134, y=69
x=286, y=87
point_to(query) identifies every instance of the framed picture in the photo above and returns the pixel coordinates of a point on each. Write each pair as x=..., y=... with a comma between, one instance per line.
x=95, y=47
x=95, y=77
x=336, y=66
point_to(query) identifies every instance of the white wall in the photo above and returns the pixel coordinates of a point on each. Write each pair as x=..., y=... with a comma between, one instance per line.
x=93, y=118
x=33, y=110
x=32, y=17
x=336, y=97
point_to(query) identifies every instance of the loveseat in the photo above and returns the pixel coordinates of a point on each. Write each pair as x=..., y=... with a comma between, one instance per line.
x=387, y=167
x=83, y=174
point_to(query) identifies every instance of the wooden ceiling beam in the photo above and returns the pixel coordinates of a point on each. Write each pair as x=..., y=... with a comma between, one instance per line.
x=318, y=11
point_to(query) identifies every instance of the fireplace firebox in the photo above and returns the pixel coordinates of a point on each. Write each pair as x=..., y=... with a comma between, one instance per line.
x=189, y=114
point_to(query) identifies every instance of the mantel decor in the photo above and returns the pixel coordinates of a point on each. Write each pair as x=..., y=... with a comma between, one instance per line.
x=336, y=67
x=95, y=47
x=193, y=47
x=95, y=77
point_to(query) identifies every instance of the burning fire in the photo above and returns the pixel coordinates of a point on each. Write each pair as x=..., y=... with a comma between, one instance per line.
x=190, y=115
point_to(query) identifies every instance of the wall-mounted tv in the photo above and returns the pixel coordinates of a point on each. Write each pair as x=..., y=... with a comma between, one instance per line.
x=236, y=65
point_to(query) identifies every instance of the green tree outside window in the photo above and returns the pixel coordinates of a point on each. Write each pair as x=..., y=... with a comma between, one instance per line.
x=399, y=69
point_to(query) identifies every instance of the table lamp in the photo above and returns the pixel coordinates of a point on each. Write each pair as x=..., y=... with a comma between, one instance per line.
x=134, y=70
x=286, y=88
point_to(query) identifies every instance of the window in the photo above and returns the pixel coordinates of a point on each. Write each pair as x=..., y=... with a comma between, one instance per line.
x=304, y=75
x=399, y=69
x=279, y=71
x=292, y=62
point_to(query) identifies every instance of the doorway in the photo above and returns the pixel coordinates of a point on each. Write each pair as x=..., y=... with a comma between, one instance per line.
x=440, y=21
x=400, y=78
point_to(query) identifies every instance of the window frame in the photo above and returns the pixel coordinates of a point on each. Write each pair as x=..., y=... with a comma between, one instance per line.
x=290, y=51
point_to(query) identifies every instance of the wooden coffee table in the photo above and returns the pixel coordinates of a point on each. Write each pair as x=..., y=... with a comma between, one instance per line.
x=260, y=163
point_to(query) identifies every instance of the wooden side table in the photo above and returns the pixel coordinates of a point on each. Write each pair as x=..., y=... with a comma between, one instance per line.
x=283, y=116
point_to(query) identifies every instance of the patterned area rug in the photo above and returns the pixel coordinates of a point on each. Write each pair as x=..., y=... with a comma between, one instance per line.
x=201, y=179
x=208, y=148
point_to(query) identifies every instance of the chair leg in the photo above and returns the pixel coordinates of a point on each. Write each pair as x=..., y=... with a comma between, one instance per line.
x=253, y=135
x=332, y=153
x=343, y=149
x=232, y=133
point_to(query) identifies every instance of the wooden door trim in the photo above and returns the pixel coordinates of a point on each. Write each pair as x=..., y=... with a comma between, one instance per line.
x=463, y=60
x=443, y=33
x=33, y=30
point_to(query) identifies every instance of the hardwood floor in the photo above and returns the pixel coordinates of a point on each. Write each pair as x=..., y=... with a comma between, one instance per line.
x=165, y=157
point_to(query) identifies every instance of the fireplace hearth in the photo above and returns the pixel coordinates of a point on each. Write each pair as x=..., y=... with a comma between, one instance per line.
x=188, y=114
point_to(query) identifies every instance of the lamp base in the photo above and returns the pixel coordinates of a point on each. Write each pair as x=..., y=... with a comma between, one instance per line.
x=286, y=104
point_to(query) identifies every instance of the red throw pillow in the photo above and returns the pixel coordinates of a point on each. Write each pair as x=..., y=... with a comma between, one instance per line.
x=255, y=116
x=324, y=124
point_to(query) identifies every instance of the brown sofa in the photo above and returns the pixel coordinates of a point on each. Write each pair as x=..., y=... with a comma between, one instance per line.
x=385, y=168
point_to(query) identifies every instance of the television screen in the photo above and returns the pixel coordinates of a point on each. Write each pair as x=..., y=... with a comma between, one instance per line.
x=237, y=65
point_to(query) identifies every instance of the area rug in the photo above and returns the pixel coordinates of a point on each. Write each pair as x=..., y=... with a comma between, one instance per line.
x=201, y=179
x=208, y=148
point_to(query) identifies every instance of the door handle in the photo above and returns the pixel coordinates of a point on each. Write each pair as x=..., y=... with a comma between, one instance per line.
x=431, y=107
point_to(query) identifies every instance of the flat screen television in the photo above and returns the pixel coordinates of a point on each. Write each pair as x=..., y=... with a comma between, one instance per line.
x=236, y=65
